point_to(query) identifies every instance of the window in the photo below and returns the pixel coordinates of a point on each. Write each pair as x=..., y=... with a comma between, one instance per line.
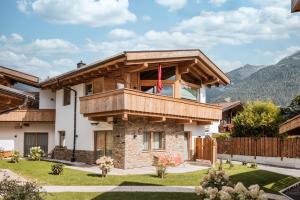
x=120, y=85
x=188, y=92
x=168, y=73
x=62, y=138
x=67, y=97
x=167, y=90
x=88, y=89
x=158, y=140
x=146, y=141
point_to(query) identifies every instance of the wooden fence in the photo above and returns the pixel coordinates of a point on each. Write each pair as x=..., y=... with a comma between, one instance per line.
x=265, y=146
x=206, y=149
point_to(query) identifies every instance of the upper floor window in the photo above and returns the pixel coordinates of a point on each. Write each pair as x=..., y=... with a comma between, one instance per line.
x=88, y=89
x=67, y=97
x=188, y=92
x=146, y=141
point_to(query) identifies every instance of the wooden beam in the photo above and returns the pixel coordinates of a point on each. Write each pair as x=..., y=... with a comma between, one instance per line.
x=184, y=121
x=211, y=81
x=157, y=119
x=140, y=68
x=204, y=123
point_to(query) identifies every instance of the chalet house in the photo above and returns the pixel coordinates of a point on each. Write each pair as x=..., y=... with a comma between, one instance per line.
x=229, y=111
x=112, y=107
x=291, y=126
x=24, y=122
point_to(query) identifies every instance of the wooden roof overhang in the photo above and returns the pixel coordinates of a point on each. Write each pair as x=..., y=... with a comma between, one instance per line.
x=291, y=126
x=295, y=5
x=193, y=62
x=14, y=75
x=10, y=97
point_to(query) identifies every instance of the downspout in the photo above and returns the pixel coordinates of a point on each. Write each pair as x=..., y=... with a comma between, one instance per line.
x=73, y=159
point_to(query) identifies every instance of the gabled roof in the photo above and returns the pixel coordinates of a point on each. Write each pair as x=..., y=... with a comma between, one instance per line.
x=134, y=59
x=228, y=105
x=19, y=76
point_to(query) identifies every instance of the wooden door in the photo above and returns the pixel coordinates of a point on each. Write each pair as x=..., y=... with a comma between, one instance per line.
x=103, y=144
x=35, y=140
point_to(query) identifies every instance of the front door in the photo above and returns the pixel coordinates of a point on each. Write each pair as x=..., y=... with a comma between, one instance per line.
x=186, y=146
x=103, y=143
x=35, y=140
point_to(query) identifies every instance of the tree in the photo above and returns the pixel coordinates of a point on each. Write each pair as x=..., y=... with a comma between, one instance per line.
x=293, y=109
x=257, y=119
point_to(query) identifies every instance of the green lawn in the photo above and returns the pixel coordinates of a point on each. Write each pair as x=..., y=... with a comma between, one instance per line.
x=40, y=171
x=121, y=195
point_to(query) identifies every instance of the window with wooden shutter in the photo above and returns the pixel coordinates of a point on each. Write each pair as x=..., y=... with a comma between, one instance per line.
x=67, y=97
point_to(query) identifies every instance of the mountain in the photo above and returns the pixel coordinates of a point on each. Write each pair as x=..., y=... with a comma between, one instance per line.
x=279, y=83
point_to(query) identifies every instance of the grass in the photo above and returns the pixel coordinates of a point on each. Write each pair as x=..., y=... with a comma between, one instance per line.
x=121, y=195
x=40, y=171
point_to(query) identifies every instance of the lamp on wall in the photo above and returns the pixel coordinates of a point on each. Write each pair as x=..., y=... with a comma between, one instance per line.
x=16, y=136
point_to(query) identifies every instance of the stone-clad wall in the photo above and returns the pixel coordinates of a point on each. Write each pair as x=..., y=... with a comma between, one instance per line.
x=131, y=132
x=62, y=153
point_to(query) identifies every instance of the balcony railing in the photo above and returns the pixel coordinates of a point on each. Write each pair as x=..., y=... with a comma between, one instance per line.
x=39, y=115
x=134, y=102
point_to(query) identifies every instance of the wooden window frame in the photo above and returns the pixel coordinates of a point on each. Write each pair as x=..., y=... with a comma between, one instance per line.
x=66, y=101
x=85, y=85
x=163, y=141
x=149, y=142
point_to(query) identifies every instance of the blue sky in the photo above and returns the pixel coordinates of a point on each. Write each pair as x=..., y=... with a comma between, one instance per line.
x=48, y=37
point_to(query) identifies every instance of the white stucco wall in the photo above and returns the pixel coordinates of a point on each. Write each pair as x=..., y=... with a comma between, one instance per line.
x=202, y=94
x=214, y=128
x=65, y=121
x=47, y=99
x=8, y=132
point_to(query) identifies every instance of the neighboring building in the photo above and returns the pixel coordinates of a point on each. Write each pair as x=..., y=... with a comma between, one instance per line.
x=22, y=123
x=229, y=111
x=291, y=126
x=118, y=113
x=295, y=5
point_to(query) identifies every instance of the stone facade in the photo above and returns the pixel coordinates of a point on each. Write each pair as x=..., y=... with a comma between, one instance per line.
x=128, y=151
x=62, y=153
x=128, y=143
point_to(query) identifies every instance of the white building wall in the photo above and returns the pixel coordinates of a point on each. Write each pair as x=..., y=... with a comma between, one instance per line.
x=47, y=99
x=202, y=94
x=12, y=137
x=65, y=122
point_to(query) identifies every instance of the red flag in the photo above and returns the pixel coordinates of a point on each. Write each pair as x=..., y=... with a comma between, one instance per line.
x=159, y=82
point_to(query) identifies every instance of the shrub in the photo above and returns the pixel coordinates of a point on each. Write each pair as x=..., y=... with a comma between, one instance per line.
x=215, y=179
x=15, y=190
x=105, y=164
x=164, y=161
x=253, y=165
x=244, y=163
x=36, y=153
x=216, y=186
x=257, y=119
x=15, y=157
x=57, y=169
x=1, y=153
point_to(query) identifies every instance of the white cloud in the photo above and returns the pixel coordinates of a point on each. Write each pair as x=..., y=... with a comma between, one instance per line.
x=228, y=65
x=146, y=18
x=63, y=62
x=21, y=61
x=278, y=55
x=52, y=46
x=121, y=33
x=12, y=38
x=23, y=6
x=88, y=12
x=217, y=2
x=172, y=4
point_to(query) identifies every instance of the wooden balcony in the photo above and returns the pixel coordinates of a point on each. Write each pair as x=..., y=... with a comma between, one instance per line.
x=126, y=102
x=29, y=116
x=295, y=5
